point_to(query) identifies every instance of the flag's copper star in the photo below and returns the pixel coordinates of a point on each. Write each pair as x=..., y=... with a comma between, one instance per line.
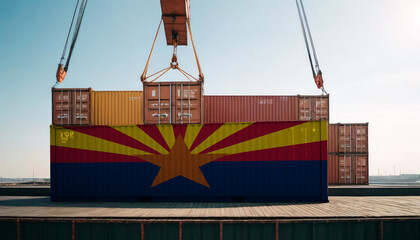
x=180, y=162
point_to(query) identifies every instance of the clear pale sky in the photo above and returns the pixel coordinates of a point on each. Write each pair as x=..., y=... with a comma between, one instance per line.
x=369, y=52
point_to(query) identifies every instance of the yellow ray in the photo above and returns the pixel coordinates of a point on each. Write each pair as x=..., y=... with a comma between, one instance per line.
x=224, y=131
x=167, y=132
x=62, y=137
x=191, y=133
x=141, y=136
x=304, y=133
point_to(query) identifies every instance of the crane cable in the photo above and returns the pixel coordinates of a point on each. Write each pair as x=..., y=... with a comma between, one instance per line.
x=62, y=71
x=316, y=71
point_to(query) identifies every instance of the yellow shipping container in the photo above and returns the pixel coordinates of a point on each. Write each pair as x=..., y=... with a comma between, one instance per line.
x=117, y=107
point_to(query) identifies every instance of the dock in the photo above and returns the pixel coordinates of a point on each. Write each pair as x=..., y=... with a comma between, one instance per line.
x=364, y=217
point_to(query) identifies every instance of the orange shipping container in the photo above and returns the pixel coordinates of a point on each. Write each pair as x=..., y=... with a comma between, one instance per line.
x=117, y=107
x=220, y=109
x=173, y=102
x=71, y=106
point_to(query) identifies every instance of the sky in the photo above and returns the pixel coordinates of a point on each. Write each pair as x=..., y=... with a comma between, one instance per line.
x=368, y=51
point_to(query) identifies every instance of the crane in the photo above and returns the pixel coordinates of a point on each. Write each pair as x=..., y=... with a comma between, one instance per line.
x=176, y=20
x=313, y=59
x=177, y=25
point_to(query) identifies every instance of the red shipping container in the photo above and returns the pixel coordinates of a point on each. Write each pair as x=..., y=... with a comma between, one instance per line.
x=332, y=169
x=71, y=106
x=313, y=108
x=220, y=109
x=173, y=103
x=348, y=169
x=332, y=138
x=348, y=138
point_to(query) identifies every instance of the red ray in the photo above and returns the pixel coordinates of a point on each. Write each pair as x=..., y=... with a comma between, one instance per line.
x=250, y=132
x=179, y=129
x=205, y=132
x=154, y=133
x=73, y=155
x=110, y=134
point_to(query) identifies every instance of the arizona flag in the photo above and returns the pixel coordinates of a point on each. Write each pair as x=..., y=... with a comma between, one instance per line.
x=264, y=161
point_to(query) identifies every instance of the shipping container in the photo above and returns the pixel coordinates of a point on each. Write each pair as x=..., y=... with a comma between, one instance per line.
x=173, y=102
x=117, y=108
x=348, y=138
x=220, y=109
x=348, y=169
x=271, y=161
x=71, y=106
x=313, y=107
x=332, y=138
x=333, y=177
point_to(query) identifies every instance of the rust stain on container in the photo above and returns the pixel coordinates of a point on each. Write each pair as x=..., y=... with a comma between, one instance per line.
x=173, y=103
x=117, y=107
x=220, y=109
x=313, y=108
x=71, y=106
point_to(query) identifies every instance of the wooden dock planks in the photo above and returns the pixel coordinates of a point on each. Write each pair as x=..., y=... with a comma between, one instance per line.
x=338, y=207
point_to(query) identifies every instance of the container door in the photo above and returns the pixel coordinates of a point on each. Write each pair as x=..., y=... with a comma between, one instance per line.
x=360, y=139
x=61, y=107
x=157, y=104
x=320, y=107
x=344, y=138
x=345, y=169
x=188, y=103
x=305, y=108
x=81, y=107
x=361, y=170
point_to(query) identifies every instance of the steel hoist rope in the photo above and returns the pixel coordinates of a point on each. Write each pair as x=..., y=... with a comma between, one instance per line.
x=62, y=70
x=316, y=71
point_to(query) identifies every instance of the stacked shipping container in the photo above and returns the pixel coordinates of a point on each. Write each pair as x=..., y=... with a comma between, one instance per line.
x=71, y=106
x=220, y=109
x=183, y=103
x=348, y=153
x=117, y=107
x=268, y=161
x=88, y=107
x=173, y=102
